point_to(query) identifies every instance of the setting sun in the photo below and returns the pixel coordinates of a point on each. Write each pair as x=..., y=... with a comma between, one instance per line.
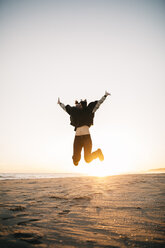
x=101, y=169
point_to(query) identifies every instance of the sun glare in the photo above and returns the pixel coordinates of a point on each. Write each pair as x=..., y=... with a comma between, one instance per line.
x=120, y=152
x=99, y=172
x=99, y=169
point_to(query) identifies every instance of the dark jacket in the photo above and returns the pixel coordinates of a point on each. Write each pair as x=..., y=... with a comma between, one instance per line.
x=81, y=117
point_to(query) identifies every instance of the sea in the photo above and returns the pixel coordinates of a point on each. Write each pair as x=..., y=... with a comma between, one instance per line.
x=11, y=176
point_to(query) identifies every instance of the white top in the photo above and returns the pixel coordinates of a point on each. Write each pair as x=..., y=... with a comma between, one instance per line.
x=84, y=130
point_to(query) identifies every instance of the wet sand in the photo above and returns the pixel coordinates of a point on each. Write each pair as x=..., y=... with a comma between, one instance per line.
x=114, y=211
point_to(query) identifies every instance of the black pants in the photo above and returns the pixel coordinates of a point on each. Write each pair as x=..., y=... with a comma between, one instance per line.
x=83, y=141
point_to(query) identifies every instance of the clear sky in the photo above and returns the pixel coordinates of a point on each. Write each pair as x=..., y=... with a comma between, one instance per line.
x=76, y=50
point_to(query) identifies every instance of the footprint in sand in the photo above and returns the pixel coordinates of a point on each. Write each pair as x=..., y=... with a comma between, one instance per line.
x=64, y=212
x=18, y=208
x=27, y=221
x=57, y=197
x=7, y=218
x=28, y=237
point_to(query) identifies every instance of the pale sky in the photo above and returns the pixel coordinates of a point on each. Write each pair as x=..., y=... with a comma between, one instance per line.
x=77, y=50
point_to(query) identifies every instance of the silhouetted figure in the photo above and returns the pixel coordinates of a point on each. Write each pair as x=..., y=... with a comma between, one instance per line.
x=81, y=117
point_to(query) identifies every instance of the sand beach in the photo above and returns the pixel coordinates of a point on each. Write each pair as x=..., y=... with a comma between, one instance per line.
x=113, y=211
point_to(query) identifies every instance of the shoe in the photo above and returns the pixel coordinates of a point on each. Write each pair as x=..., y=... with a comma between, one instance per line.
x=75, y=163
x=100, y=154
